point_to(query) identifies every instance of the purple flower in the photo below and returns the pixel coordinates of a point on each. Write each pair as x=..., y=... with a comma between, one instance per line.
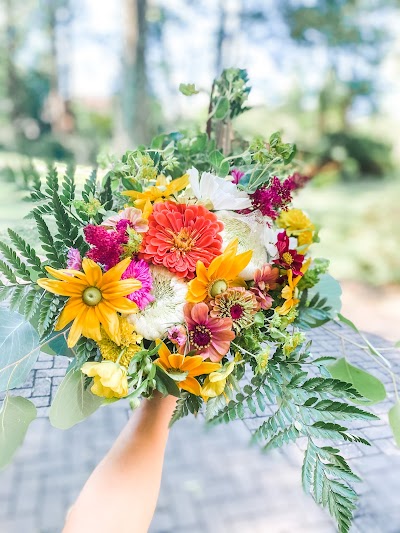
x=237, y=175
x=140, y=271
x=74, y=261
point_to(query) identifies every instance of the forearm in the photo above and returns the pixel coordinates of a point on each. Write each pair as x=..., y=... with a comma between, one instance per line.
x=121, y=494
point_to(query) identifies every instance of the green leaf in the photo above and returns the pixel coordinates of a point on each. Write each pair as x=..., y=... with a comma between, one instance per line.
x=222, y=108
x=73, y=403
x=329, y=288
x=165, y=384
x=394, y=421
x=216, y=160
x=369, y=386
x=19, y=349
x=347, y=322
x=15, y=416
x=188, y=89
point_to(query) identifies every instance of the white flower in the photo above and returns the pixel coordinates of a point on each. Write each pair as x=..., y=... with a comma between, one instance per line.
x=166, y=310
x=216, y=193
x=253, y=234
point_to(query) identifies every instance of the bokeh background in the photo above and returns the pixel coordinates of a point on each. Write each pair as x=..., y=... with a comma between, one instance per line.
x=82, y=79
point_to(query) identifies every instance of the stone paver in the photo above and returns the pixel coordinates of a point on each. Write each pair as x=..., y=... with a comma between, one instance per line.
x=213, y=481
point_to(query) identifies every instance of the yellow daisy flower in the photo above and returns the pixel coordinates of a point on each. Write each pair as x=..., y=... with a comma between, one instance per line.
x=160, y=192
x=184, y=369
x=222, y=273
x=94, y=299
x=289, y=291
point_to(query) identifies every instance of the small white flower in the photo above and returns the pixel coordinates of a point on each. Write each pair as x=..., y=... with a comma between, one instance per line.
x=253, y=234
x=166, y=310
x=217, y=193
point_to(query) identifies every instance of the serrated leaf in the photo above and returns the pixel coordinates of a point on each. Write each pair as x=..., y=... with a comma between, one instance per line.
x=188, y=89
x=73, y=402
x=366, y=384
x=19, y=349
x=15, y=416
x=394, y=421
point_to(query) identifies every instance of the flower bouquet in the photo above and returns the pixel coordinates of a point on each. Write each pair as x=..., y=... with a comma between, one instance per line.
x=184, y=269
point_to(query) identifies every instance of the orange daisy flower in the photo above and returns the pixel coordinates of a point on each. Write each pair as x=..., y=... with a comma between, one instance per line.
x=184, y=369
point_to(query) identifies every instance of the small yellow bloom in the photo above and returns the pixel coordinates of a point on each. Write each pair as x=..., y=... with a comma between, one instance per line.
x=215, y=383
x=297, y=224
x=289, y=291
x=109, y=379
x=159, y=192
x=128, y=347
x=222, y=273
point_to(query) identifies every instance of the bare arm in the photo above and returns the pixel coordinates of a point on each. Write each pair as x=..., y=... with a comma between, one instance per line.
x=121, y=494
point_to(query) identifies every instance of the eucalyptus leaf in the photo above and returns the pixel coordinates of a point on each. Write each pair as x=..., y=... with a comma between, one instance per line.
x=366, y=384
x=188, y=89
x=73, y=403
x=19, y=349
x=15, y=416
x=394, y=421
x=329, y=288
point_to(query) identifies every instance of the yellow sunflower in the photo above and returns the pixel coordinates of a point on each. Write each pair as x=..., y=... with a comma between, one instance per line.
x=184, y=369
x=222, y=273
x=160, y=192
x=94, y=299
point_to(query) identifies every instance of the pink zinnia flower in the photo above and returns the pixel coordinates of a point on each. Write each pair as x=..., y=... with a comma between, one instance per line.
x=180, y=235
x=210, y=337
x=288, y=259
x=265, y=280
x=74, y=261
x=140, y=271
x=177, y=335
x=237, y=175
x=133, y=215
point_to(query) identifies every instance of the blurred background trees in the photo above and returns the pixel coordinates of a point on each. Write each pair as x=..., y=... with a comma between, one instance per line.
x=82, y=77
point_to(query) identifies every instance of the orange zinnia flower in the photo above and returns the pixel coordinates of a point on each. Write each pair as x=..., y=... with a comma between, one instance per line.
x=94, y=299
x=184, y=369
x=222, y=273
x=180, y=235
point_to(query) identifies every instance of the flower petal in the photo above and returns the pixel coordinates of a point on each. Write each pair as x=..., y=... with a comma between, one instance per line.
x=115, y=273
x=60, y=287
x=191, y=385
x=122, y=305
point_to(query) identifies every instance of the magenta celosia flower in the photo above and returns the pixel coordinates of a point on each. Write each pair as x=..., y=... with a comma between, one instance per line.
x=177, y=335
x=269, y=199
x=106, y=245
x=133, y=215
x=265, y=280
x=74, y=260
x=237, y=175
x=299, y=180
x=140, y=271
x=210, y=337
x=288, y=259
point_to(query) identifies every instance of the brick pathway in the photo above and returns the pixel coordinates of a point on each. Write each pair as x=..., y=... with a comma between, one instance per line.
x=213, y=481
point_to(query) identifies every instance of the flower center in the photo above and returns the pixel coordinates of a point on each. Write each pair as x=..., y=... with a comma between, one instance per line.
x=217, y=287
x=200, y=337
x=288, y=258
x=236, y=311
x=183, y=241
x=92, y=296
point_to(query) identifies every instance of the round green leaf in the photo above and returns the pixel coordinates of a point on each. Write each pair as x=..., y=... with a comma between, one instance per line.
x=394, y=421
x=15, y=416
x=222, y=108
x=366, y=384
x=19, y=349
x=73, y=403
